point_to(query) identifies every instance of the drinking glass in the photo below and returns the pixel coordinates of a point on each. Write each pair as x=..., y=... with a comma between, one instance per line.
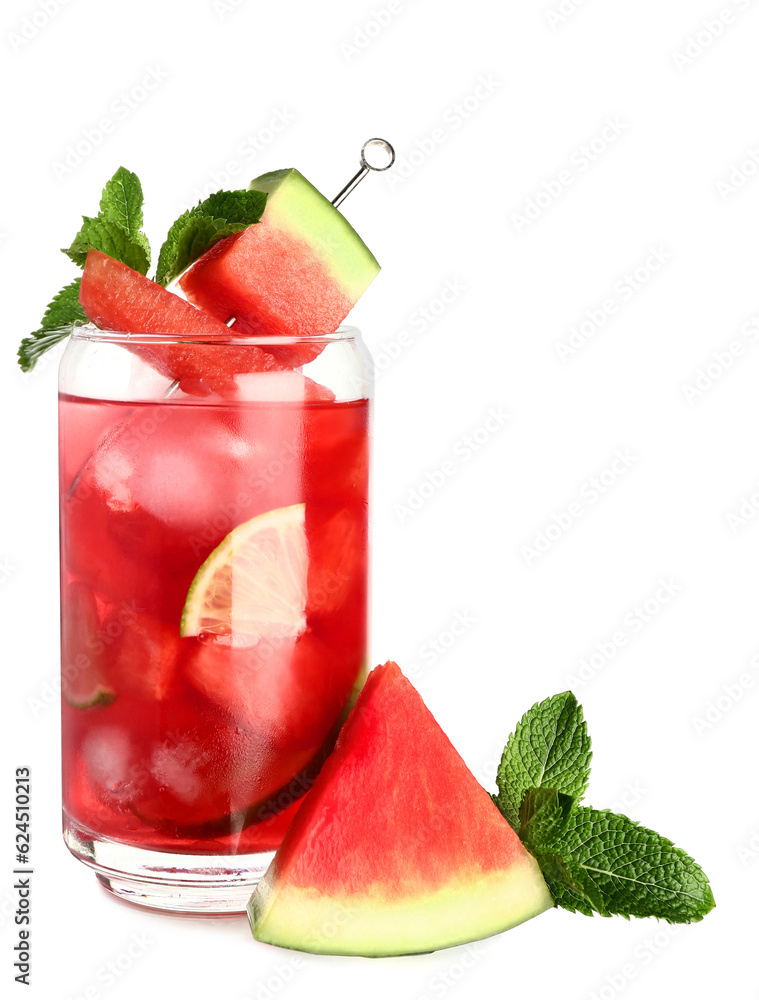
x=214, y=598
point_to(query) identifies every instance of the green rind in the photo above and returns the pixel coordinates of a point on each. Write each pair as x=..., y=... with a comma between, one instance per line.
x=295, y=205
x=384, y=923
x=100, y=697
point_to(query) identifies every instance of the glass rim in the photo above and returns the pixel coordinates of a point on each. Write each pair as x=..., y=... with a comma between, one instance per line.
x=92, y=333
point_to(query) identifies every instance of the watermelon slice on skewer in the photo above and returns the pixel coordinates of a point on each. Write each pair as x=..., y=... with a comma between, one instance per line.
x=298, y=272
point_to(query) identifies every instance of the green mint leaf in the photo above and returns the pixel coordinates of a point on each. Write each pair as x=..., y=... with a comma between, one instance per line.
x=198, y=235
x=109, y=238
x=242, y=206
x=198, y=229
x=544, y=817
x=63, y=313
x=549, y=748
x=121, y=202
x=608, y=864
x=570, y=886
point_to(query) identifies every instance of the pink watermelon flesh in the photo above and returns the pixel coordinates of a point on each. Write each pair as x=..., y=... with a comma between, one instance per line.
x=296, y=273
x=396, y=849
x=117, y=298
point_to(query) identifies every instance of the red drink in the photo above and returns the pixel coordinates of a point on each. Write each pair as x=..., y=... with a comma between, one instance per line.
x=203, y=744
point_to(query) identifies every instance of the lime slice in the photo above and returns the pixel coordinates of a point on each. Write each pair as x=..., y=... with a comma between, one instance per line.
x=83, y=656
x=254, y=584
x=85, y=695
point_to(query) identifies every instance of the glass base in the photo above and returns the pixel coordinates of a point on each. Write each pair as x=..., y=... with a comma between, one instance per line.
x=180, y=883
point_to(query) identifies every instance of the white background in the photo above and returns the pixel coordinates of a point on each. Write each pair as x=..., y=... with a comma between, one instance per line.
x=486, y=103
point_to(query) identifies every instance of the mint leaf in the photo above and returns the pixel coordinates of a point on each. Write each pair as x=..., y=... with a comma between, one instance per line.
x=198, y=229
x=198, y=235
x=544, y=816
x=570, y=886
x=109, y=238
x=121, y=202
x=608, y=864
x=550, y=747
x=63, y=313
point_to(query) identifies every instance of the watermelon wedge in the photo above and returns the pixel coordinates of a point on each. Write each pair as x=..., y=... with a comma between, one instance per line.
x=298, y=272
x=117, y=298
x=396, y=849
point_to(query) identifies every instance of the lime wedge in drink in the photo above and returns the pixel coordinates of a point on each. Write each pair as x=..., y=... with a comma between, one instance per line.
x=86, y=694
x=254, y=583
x=83, y=653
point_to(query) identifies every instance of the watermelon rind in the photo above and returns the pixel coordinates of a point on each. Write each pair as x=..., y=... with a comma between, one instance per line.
x=296, y=206
x=397, y=848
x=389, y=922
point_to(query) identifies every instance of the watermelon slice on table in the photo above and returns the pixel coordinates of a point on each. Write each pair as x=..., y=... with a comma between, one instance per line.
x=397, y=849
x=298, y=272
x=117, y=298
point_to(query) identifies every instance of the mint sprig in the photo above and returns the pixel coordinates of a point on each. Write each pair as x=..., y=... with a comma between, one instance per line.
x=544, y=816
x=109, y=238
x=606, y=863
x=121, y=201
x=117, y=231
x=594, y=861
x=63, y=313
x=550, y=747
x=202, y=227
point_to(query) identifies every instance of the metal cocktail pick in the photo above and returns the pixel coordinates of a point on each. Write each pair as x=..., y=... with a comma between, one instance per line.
x=363, y=170
x=366, y=166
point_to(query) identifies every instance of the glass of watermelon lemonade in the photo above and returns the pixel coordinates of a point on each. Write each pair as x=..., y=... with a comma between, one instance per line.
x=214, y=561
